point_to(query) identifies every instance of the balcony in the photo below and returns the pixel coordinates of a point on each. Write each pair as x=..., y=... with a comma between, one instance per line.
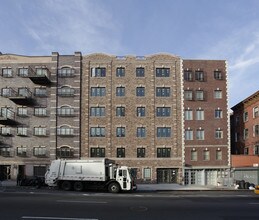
x=41, y=76
x=7, y=117
x=21, y=97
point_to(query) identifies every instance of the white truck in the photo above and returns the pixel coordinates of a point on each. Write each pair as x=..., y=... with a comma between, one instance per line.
x=86, y=174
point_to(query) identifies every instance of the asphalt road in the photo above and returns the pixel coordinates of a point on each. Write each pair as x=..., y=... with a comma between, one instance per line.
x=59, y=205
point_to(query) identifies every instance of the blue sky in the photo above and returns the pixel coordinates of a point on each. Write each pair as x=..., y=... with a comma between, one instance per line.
x=192, y=29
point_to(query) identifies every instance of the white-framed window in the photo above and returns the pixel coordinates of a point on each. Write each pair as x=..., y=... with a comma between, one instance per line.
x=245, y=133
x=98, y=72
x=40, y=131
x=245, y=116
x=218, y=113
x=218, y=154
x=217, y=94
x=188, y=115
x=22, y=131
x=188, y=134
x=97, y=131
x=147, y=173
x=200, y=134
x=199, y=114
x=206, y=155
x=188, y=95
x=255, y=112
x=40, y=111
x=200, y=95
x=22, y=111
x=194, y=155
x=40, y=151
x=256, y=130
x=218, y=134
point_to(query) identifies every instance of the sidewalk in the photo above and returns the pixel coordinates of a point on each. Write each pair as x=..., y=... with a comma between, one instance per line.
x=10, y=184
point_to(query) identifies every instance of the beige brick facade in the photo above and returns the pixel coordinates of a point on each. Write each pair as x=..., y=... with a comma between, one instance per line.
x=128, y=108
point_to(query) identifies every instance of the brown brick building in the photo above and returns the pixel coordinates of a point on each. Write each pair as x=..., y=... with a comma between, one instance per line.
x=158, y=114
x=245, y=139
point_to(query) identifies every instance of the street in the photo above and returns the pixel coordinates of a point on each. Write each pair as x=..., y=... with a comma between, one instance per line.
x=49, y=204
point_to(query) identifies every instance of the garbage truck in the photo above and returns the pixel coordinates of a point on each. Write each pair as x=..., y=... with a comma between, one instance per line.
x=84, y=174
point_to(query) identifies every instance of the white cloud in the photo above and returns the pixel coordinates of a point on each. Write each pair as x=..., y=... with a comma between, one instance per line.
x=67, y=26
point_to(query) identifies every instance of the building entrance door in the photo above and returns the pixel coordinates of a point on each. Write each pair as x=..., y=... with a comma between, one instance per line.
x=167, y=175
x=5, y=172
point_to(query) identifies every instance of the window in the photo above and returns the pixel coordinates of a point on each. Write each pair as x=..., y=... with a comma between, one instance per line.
x=188, y=95
x=163, y=111
x=98, y=91
x=162, y=72
x=66, y=72
x=188, y=114
x=6, y=131
x=24, y=92
x=256, y=130
x=245, y=133
x=245, y=116
x=163, y=91
x=246, y=151
x=199, y=114
x=188, y=76
x=97, y=111
x=66, y=91
x=8, y=92
x=218, y=113
x=121, y=152
x=120, y=131
x=120, y=72
x=120, y=111
x=194, y=155
x=141, y=132
x=40, y=131
x=219, y=134
x=140, y=72
x=217, y=94
x=200, y=134
x=97, y=132
x=65, y=111
x=39, y=171
x=40, y=92
x=256, y=149
x=188, y=134
x=141, y=152
x=97, y=152
x=7, y=72
x=163, y=132
x=218, y=75
x=40, y=151
x=199, y=75
x=40, y=111
x=147, y=173
x=199, y=95
x=218, y=154
x=255, y=112
x=41, y=71
x=22, y=151
x=22, y=111
x=140, y=91
x=5, y=151
x=163, y=152
x=141, y=111
x=22, y=131
x=65, y=152
x=206, y=155
x=65, y=131
x=98, y=72
x=23, y=72
x=6, y=112
x=120, y=91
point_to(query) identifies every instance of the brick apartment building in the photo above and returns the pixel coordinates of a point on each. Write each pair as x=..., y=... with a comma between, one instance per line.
x=245, y=139
x=133, y=109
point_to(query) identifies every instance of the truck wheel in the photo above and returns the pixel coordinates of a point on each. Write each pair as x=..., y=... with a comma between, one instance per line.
x=78, y=186
x=66, y=185
x=113, y=188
